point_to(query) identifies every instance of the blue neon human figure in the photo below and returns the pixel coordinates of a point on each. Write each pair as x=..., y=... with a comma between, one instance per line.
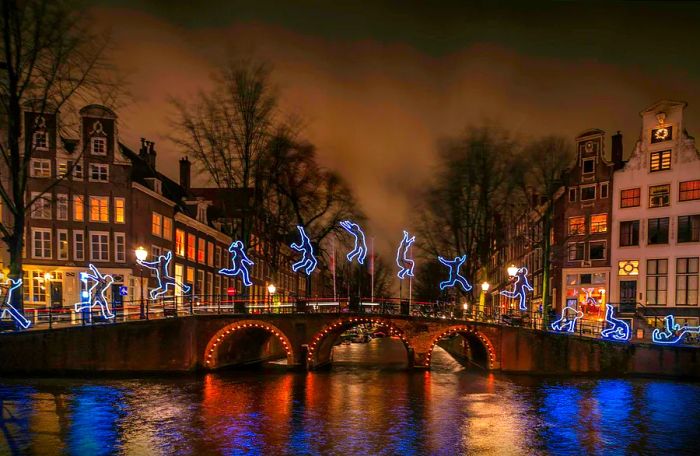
x=520, y=288
x=165, y=280
x=673, y=332
x=308, y=261
x=96, y=293
x=359, y=250
x=616, y=329
x=239, y=263
x=403, y=260
x=566, y=323
x=8, y=308
x=455, y=276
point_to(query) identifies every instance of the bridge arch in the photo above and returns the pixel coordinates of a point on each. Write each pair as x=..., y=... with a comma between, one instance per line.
x=247, y=341
x=480, y=347
x=321, y=345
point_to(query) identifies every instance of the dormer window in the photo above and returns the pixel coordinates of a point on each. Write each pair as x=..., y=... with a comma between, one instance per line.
x=588, y=166
x=155, y=185
x=660, y=160
x=40, y=140
x=98, y=146
x=202, y=213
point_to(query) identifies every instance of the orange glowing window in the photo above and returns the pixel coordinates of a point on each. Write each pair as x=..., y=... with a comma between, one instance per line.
x=599, y=223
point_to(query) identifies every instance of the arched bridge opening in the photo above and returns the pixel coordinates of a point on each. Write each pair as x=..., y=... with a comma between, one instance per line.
x=247, y=342
x=467, y=345
x=320, y=349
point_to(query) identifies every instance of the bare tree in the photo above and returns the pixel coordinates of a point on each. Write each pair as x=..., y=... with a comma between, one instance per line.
x=51, y=61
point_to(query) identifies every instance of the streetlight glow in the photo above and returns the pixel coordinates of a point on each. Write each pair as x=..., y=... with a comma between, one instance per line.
x=141, y=253
x=271, y=288
x=512, y=270
x=485, y=287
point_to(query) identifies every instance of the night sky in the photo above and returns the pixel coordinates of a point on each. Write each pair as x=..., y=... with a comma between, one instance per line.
x=379, y=83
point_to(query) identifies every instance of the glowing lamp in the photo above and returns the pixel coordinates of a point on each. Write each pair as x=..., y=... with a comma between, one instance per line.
x=512, y=270
x=141, y=253
x=485, y=287
x=465, y=306
x=47, y=276
x=271, y=288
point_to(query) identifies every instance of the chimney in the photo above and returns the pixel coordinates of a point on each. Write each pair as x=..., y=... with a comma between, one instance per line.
x=185, y=166
x=147, y=153
x=616, y=151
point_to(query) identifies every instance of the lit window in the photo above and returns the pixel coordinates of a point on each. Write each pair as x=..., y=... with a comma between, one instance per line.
x=191, y=240
x=62, y=244
x=98, y=146
x=577, y=225
x=660, y=160
x=657, y=282
x=99, y=172
x=119, y=210
x=689, y=190
x=78, y=208
x=658, y=231
x=599, y=223
x=588, y=193
x=630, y=197
x=687, y=281
x=201, y=245
x=99, y=246
x=659, y=195
x=689, y=228
x=661, y=134
x=62, y=207
x=167, y=228
x=40, y=167
x=180, y=243
x=217, y=258
x=156, y=224
x=99, y=209
x=628, y=267
x=41, y=243
x=210, y=254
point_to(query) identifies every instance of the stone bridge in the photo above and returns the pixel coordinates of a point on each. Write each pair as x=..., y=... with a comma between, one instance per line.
x=210, y=342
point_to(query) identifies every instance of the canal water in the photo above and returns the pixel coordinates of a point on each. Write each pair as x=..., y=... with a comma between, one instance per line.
x=367, y=404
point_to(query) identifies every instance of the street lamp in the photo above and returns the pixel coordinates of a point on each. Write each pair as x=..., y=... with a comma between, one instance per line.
x=141, y=255
x=482, y=298
x=271, y=290
x=512, y=270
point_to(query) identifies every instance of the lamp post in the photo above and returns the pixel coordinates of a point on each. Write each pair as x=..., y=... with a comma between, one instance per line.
x=512, y=270
x=271, y=291
x=482, y=298
x=141, y=255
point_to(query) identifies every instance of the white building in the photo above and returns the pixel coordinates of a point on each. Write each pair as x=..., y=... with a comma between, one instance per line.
x=656, y=220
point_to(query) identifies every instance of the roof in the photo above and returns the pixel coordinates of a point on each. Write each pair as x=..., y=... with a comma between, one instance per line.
x=663, y=105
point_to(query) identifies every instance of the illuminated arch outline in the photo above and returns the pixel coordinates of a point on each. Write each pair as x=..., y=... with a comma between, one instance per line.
x=359, y=250
x=221, y=334
x=7, y=306
x=402, y=258
x=308, y=261
x=520, y=288
x=96, y=293
x=618, y=329
x=321, y=335
x=239, y=263
x=455, y=276
x=165, y=280
x=464, y=329
x=566, y=324
x=673, y=333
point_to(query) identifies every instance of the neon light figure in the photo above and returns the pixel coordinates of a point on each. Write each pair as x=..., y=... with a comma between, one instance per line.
x=520, y=288
x=239, y=263
x=96, y=293
x=308, y=261
x=359, y=251
x=8, y=308
x=566, y=324
x=165, y=280
x=617, y=329
x=455, y=277
x=402, y=258
x=673, y=332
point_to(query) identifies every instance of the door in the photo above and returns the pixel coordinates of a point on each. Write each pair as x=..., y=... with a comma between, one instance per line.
x=628, y=296
x=56, y=294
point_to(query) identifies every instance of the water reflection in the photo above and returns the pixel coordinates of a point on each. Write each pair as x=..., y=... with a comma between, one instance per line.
x=374, y=407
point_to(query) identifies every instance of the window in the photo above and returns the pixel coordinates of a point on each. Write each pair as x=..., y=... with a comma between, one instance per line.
x=657, y=282
x=577, y=225
x=64, y=166
x=120, y=247
x=190, y=277
x=660, y=160
x=99, y=246
x=689, y=190
x=659, y=195
x=629, y=233
x=62, y=236
x=658, y=231
x=99, y=172
x=98, y=146
x=191, y=246
x=628, y=268
x=588, y=193
x=40, y=167
x=596, y=250
x=41, y=243
x=588, y=165
x=156, y=252
x=167, y=228
x=687, y=281
x=200, y=282
x=119, y=210
x=99, y=209
x=62, y=207
x=180, y=243
x=78, y=245
x=37, y=291
x=156, y=224
x=630, y=197
x=78, y=208
x=41, y=207
x=604, y=190
x=210, y=285
x=217, y=285
x=599, y=223
x=576, y=251
x=661, y=134
x=689, y=228
x=217, y=258
x=572, y=195
x=201, y=246
x=210, y=254
x=40, y=140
